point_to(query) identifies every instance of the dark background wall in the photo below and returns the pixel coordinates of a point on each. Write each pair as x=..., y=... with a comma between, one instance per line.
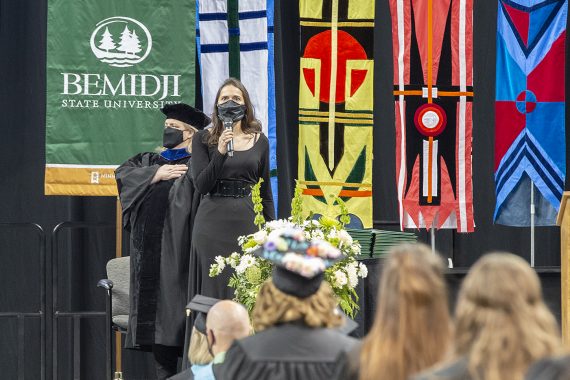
x=83, y=254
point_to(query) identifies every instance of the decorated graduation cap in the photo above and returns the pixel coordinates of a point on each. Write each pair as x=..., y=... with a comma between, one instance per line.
x=201, y=305
x=299, y=263
x=186, y=114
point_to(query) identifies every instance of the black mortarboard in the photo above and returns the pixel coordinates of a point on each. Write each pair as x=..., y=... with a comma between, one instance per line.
x=201, y=305
x=186, y=114
x=299, y=264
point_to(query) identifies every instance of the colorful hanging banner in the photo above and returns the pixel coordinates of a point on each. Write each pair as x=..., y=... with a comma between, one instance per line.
x=235, y=39
x=335, y=107
x=433, y=91
x=530, y=143
x=110, y=67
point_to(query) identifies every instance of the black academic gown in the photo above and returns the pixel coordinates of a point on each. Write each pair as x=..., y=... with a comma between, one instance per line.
x=159, y=217
x=290, y=351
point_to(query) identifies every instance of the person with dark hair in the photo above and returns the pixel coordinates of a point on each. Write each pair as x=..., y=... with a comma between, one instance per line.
x=159, y=203
x=412, y=327
x=228, y=160
x=502, y=325
x=295, y=316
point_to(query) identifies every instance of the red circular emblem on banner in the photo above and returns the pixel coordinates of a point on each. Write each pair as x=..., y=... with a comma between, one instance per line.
x=430, y=120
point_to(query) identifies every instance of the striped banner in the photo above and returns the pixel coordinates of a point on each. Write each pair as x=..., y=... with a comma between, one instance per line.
x=530, y=144
x=335, y=107
x=235, y=39
x=433, y=79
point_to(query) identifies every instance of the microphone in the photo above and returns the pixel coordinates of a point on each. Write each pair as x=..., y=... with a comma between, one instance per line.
x=228, y=124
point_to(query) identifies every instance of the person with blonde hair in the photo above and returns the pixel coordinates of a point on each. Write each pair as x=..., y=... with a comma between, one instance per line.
x=501, y=322
x=295, y=316
x=199, y=355
x=412, y=327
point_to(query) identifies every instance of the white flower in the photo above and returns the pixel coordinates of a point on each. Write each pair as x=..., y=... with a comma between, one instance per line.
x=245, y=262
x=310, y=223
x=340, y=278
x=345, y=237
x=221, y=262
x=362, y=270
x=355, y=248
x=250, y=249
x=234, y=259
x=332, y=234
x=352, y=272
x=279, y=224
x=260, y=237
x=318, y=235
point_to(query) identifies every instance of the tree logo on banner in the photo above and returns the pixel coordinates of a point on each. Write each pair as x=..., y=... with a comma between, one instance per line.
x=121, y=41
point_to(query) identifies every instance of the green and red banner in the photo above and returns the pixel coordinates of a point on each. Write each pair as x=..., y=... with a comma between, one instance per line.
x=336, y=101
x=111, y=66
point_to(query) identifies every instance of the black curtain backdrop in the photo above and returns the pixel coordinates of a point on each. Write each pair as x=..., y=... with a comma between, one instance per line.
x=83, y=253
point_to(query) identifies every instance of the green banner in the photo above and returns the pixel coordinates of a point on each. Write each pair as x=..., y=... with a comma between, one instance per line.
x=111, y=66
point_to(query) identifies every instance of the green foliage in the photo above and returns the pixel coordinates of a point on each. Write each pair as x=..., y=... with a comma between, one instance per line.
x=257, y=204
x=297, y=205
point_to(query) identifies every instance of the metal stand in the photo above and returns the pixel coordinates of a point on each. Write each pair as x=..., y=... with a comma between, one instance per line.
x=118, y=253
x=432, y=238
x=532, y=215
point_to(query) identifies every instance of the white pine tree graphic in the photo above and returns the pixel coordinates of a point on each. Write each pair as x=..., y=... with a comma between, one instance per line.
x=106, y=42
x=134, y=44
x=125, y=40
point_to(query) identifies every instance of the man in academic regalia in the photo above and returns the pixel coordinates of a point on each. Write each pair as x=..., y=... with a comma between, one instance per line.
x=217, y=325
x=159, y=203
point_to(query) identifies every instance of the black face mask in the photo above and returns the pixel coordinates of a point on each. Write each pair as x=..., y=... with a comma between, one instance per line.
x=231, y=111
x=172, y=137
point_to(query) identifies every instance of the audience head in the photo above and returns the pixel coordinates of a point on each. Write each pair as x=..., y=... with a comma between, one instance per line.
x=198, y=353
x=502, y=323
x=296, y=291
x=412, y=327
x=226, y=321
x=273, y=307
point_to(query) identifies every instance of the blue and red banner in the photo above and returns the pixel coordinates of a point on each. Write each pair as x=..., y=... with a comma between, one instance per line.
x=530, y=147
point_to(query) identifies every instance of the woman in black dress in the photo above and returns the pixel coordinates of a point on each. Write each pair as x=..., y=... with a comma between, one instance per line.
x=225, y=179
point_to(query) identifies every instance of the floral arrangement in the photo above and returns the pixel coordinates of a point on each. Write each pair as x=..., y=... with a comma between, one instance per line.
x=333, y=241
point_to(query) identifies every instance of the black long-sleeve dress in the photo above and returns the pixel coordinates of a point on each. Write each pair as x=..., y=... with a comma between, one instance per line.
x=221, y=220
x=159, y=217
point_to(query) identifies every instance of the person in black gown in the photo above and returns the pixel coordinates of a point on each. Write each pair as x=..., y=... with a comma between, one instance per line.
x=225, y=179
x=295, y=318
x=159, y=204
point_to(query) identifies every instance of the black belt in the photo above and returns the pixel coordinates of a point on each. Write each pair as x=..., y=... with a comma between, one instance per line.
x=235, y=188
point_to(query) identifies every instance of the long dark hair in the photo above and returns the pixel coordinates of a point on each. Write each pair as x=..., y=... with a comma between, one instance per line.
x=249, y=123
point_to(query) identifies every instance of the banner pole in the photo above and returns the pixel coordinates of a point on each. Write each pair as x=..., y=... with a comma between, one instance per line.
x=532, y=213
x=118, y=253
